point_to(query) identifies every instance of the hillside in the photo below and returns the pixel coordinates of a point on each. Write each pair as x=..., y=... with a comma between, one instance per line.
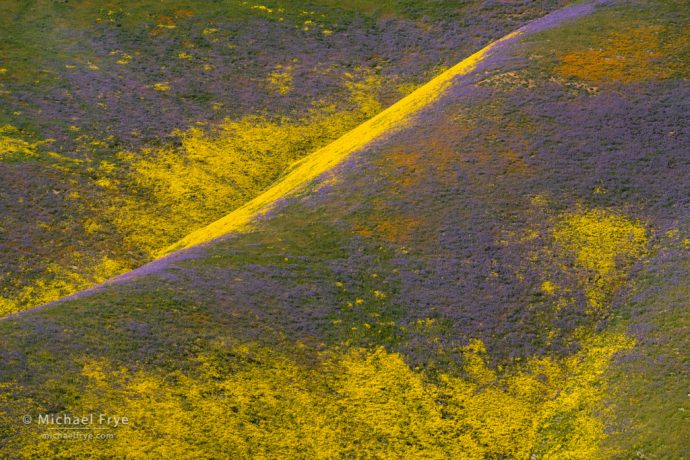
x=124, y=126
x=495, y=266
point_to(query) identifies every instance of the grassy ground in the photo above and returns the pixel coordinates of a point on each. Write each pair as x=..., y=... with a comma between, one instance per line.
x=651, y=380
x=500, y=278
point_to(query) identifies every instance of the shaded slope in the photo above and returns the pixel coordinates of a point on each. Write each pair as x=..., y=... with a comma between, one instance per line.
x=445, y=291
x=651, y=379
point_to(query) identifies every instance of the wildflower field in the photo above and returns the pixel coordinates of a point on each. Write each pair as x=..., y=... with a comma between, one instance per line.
x=396, y=230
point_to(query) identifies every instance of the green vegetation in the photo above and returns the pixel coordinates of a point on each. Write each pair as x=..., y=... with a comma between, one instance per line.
x=651, y=393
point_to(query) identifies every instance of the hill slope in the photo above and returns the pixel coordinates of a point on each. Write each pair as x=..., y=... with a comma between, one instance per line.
x=477, y=279
x=124, y=127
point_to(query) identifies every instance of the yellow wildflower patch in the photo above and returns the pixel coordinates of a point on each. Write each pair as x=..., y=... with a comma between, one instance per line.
x=280, y=80
x=548, y=288
x=603, y=244
x=262, y=8
x=216, y=169
x=359, y=400
x=12, y=146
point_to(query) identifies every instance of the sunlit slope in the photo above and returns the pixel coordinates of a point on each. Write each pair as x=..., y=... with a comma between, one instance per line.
x=502, y=277
x=391, y=120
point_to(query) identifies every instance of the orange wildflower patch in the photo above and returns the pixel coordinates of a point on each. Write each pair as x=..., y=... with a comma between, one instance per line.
x=184, y=13
x=166, y=22
x=395, y=229
x=640, y=54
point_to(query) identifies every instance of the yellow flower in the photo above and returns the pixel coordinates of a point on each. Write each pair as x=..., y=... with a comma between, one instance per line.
x=548, y=287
